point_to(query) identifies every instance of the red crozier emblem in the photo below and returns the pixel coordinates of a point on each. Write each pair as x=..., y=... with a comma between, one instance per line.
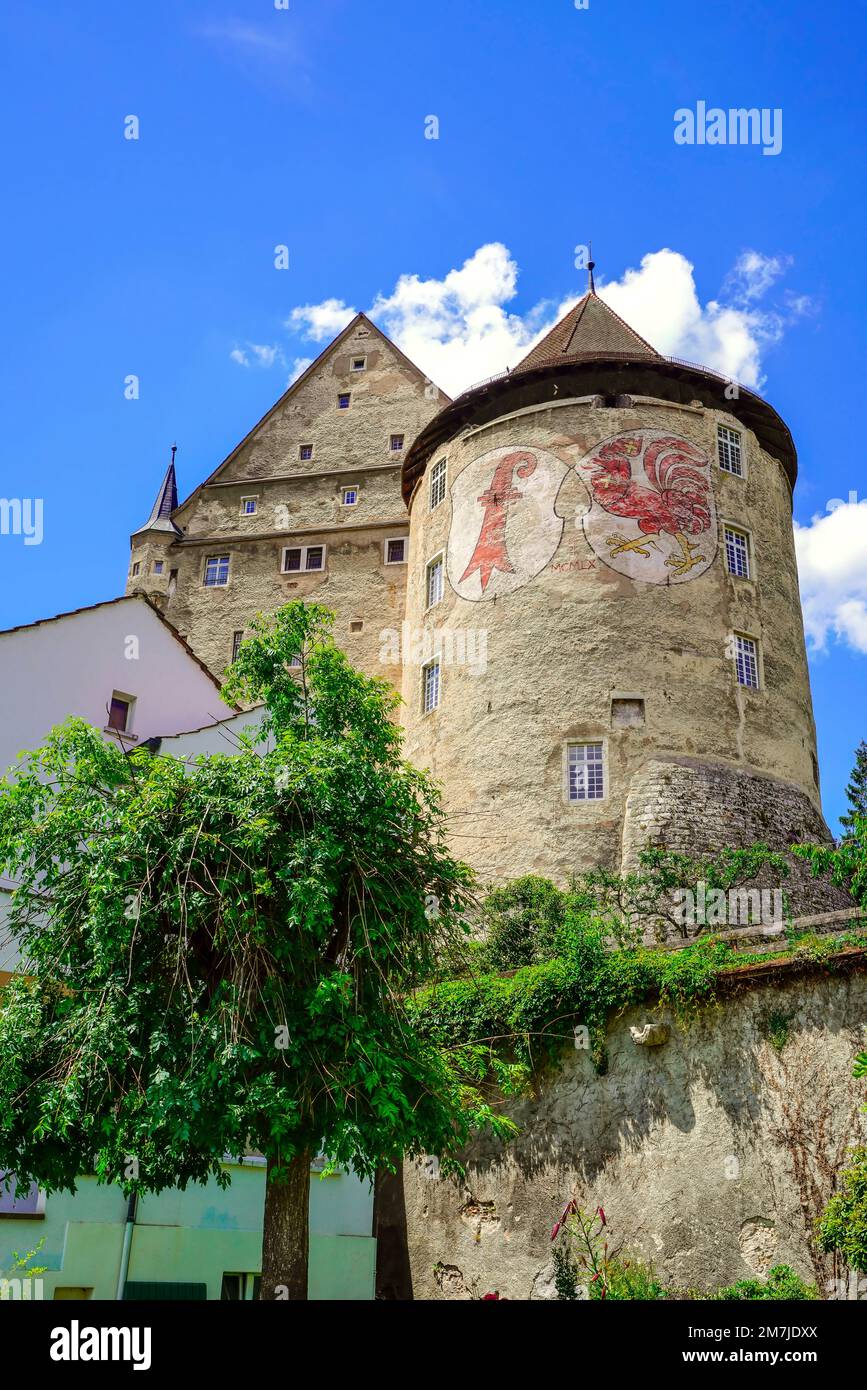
x=490, y=553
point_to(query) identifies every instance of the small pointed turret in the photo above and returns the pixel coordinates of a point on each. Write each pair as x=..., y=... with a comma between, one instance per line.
x=165, y=504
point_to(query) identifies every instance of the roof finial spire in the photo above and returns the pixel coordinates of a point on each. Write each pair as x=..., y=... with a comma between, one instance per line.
x=174, y=451
x=591, y=266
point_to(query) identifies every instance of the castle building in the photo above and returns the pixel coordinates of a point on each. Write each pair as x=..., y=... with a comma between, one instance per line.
x=580, y=574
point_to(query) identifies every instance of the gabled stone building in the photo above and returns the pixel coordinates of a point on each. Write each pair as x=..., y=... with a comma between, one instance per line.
x=307, y=506
x=581, y=574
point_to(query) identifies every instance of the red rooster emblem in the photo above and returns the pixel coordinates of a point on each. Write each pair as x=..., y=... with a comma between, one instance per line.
x=675, y=499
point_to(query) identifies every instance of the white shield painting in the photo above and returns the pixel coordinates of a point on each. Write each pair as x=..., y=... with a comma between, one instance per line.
x=504, y=529
x=652, y=514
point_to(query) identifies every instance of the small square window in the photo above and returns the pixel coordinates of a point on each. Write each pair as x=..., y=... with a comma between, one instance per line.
x=737, y=553
x=136, y=569
x=119, y=711
x=356, y=624
x=627, y=712
x=437, y=483
x=359, y=364
x=729, y=451
x=158, y=566
x=249, y=505
x=349, y=496
x=216, y=572
x=395, y=551
x=747, y=661
x=305, y=452
x=585, y=770
x=434, y=581
x=237, y=639
x=430, y=688
x=396, y=443
x=343, y=401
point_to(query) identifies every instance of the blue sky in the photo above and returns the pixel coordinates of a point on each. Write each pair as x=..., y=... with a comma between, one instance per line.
x=305, y=127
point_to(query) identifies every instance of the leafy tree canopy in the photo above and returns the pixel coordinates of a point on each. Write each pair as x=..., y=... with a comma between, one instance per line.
x=217, y=953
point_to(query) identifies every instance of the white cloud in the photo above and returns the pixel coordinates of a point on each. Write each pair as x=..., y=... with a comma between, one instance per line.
x=257, y=354
x=753, y=274
x=832, y=564
x=321, y=321
x=299, y=367
x=459, y=330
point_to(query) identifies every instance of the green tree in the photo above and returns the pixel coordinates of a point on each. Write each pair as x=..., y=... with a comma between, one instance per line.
x=216, y=955
x=856, y=791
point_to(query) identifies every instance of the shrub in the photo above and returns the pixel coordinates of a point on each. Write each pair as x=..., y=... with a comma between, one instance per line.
x=781, y=1283
x=522, y=921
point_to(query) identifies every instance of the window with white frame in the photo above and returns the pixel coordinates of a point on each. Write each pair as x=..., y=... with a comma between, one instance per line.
x=585, y=772
x=359, y=364
x=434, y=581
x=29, y=1202
x=747, y=661
x=349, y=496
x=136, y=569
x=303, y=558
x=430, y=686
x=305, y=452
x=729, y=451
x=295, y=662
x=437, y=483
x=737, y=552
x=396, y=443
x=249, y=506
x=216, y=572
x=395, y=550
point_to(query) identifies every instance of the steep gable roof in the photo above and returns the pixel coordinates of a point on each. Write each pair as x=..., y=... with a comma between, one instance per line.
x=590, y=327
x=335, y=344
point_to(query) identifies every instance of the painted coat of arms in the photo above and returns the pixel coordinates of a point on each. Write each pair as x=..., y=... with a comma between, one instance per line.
x=504, y=528
x=652, y=514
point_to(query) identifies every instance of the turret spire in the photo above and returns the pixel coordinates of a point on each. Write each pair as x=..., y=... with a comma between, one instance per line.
x=166, y=502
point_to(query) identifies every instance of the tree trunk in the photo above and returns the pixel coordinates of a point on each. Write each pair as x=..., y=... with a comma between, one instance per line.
x=285, y=1237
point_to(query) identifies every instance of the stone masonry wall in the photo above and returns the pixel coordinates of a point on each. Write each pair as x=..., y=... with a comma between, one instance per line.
x=699, y=808
x=712, y=1154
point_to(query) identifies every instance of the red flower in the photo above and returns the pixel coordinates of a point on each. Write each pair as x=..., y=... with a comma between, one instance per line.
x=488, y=1297
x=601, y=1214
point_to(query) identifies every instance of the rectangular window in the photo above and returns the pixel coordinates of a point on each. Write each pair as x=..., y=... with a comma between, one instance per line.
x=737, y=552
x=356, y=624
x=729, y=451
x=747, y=661
x=305, y=452
x=303, y=558
x=29, y=1203
x=216, y=572
x=295, y=663
x=158, y=566
x=237, y=639
x=396, y=443
x=119, y=713
x=349, y=496
x=430, y=688
x=437, y=483
x=585, y=772
x=136, y=569
x=359, y=364
x=395, y=551
x=343, y=401
x=248, y=506
x=434, y=581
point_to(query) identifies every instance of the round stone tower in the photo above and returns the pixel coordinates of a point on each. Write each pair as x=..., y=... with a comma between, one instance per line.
x=604, y=646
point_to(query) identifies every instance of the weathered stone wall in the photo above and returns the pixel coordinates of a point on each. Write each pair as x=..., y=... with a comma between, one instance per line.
x=299, y=504
x=699, y=808
x=711, y=1154
x=568, y=633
